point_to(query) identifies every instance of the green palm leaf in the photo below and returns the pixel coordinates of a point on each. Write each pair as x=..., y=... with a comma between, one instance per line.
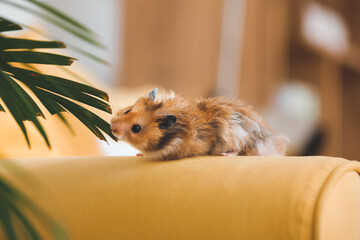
x=6, y=25
x=76, y=91
x=15, y=43
x=61, y=15
x=79, y=50
x=89, y=119
x=20, y=105
x=35, y=57
x=14, y=205
x=6, y=221
x=61, y=84
x=33, y=233
x=55, y=93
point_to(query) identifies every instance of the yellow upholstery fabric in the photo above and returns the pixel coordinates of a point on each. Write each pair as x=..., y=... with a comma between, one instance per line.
x=200, y=198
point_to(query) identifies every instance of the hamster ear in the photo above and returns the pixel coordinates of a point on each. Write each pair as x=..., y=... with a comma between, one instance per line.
x=167, y=122
x=152, y=93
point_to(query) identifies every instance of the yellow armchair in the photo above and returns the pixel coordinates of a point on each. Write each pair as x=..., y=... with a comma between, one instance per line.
x=200, y=198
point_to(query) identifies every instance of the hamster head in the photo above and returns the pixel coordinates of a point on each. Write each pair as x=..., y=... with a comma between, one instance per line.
x=144, y=123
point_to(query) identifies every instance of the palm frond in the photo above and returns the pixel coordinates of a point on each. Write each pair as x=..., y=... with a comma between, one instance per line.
x=55, y=93
x=20, y=105
x=6, y=25
x=35, y=57
x=79, y=50
x=13, y=206
x=16, y=43
x=66, y=18
x=76, y=91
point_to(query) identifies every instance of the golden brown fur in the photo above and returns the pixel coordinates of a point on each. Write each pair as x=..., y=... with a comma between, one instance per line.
x=210, y=126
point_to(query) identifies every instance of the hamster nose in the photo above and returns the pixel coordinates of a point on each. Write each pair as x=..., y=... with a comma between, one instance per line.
x=114, y=128
x=118, y=128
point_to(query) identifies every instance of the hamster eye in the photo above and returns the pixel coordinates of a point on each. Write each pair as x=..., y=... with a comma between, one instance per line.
x=136, y=128
x=126, y=112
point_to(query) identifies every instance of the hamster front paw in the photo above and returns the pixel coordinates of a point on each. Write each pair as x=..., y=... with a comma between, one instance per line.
x=229, y=154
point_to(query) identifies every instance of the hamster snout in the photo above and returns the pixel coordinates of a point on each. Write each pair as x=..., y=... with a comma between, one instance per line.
x=118, y=128
x=114, y=129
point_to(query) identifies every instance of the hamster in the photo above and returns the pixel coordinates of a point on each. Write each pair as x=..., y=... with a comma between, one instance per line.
x=166, y=127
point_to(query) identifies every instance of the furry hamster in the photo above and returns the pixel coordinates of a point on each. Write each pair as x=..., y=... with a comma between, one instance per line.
x=164, y=127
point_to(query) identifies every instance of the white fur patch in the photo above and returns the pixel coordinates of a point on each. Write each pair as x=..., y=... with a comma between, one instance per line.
x=266, y=148
x=254, y=127
x=237, y=131
x=161, y=97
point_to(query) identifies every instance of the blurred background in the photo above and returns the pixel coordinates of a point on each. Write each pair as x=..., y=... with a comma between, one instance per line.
x=296, y=61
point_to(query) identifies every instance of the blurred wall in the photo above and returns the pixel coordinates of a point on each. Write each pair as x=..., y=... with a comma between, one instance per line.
x=265, y=50
x=172, y=44
x=325, y=53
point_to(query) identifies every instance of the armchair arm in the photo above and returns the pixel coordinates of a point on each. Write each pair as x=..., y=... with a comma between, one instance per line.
x=201, y=198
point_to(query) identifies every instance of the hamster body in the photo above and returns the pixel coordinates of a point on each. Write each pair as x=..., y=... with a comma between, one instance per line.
x=165, y=127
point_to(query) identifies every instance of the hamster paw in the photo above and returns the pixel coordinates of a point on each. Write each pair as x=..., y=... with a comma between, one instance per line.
x=229, y=154
x=139, y=155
